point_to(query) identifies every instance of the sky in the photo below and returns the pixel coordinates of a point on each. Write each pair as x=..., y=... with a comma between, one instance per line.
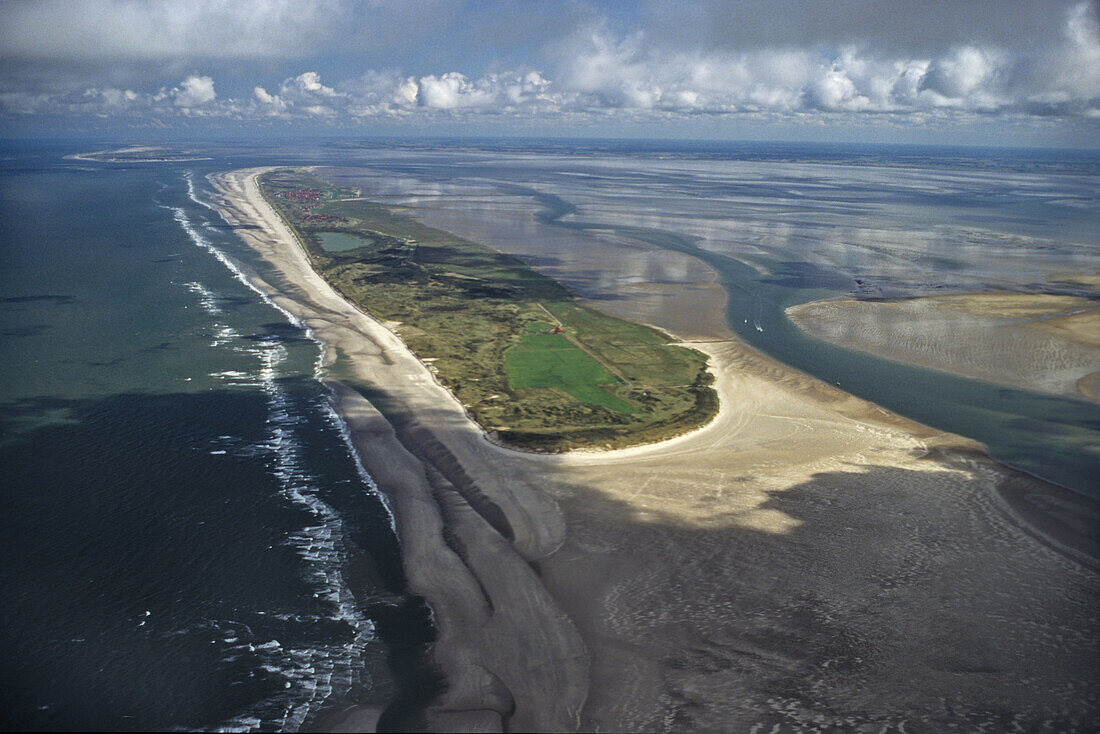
x=996, y=72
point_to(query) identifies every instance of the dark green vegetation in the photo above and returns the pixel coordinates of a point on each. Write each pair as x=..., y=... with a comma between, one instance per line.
x=514, y=346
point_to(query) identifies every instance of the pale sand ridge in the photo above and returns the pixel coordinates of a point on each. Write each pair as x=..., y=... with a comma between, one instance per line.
x=806, y=557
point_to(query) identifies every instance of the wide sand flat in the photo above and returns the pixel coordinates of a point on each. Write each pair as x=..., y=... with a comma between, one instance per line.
x=807, y=559
x=1042, y=342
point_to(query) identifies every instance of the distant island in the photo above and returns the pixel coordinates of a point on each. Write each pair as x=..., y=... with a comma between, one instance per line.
x=139, y=154
x=531, y=365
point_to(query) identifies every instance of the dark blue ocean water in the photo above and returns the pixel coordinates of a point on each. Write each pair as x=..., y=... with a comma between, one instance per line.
x=183, y=521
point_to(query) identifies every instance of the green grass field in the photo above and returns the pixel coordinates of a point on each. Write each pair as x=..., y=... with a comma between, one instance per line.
x=527, y=360
x=549, y=360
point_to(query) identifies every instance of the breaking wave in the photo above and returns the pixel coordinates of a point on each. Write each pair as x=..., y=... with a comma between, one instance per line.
x=313, y=672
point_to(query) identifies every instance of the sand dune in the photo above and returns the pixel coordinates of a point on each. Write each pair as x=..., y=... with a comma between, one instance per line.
x=807, y=559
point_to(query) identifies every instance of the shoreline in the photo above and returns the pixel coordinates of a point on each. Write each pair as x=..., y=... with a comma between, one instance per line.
x=429, y=493
x=493, y=538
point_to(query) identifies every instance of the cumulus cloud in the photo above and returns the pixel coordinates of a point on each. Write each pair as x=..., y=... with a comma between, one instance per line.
x=499, y=92
x=631, y=73
x=264, y=97
x=450, y=91
x=271, y=103
x=380, y=92
x=963, y=73
x=394, y=94
x=1074, y=68
x=306, y=94
x=194, y=91
x=307, y=85
x=110, y=97
x=97, y=101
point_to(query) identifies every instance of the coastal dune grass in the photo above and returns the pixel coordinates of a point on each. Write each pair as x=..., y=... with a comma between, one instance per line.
x=530, y=364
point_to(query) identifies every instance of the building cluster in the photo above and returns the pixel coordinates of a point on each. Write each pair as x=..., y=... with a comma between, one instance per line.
x=308, y=199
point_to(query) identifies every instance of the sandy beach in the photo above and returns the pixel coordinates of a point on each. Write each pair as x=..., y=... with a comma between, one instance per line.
x=806, y=560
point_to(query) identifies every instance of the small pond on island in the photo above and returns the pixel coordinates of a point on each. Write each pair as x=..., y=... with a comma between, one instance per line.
x=342, y=241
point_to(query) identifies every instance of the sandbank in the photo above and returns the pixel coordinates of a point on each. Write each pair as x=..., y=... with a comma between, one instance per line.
x=807, y=559
x=1035, y=341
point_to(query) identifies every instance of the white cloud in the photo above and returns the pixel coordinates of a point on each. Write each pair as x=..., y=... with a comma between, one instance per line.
x=263, y=97
x=833, y=91
x=496, y=92
x=380, y=92
x=963, y=72
x=406, y=92
x=306, y=93
x=272, y=103
x=598, y=72
x=450, y=91
x=633, y=74
x=111, y=97
x=194, y=91
x=308, y=84
x=1078, y=61
x=30, y=103
x=391, y=93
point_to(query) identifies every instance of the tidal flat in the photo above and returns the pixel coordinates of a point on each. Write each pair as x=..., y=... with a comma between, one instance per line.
x=1033, y=341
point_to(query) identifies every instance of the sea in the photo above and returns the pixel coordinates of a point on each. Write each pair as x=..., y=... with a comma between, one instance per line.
x=189, y=541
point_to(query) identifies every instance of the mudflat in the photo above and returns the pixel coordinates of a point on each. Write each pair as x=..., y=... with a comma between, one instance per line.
x=804, y=560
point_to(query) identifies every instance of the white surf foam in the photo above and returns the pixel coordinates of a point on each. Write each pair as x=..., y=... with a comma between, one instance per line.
x=319, y=370
x=209, y=301
x=345, y=434
x=312, y=672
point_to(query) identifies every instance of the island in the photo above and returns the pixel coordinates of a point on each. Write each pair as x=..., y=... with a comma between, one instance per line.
x=140, y=154
x=533, y=367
